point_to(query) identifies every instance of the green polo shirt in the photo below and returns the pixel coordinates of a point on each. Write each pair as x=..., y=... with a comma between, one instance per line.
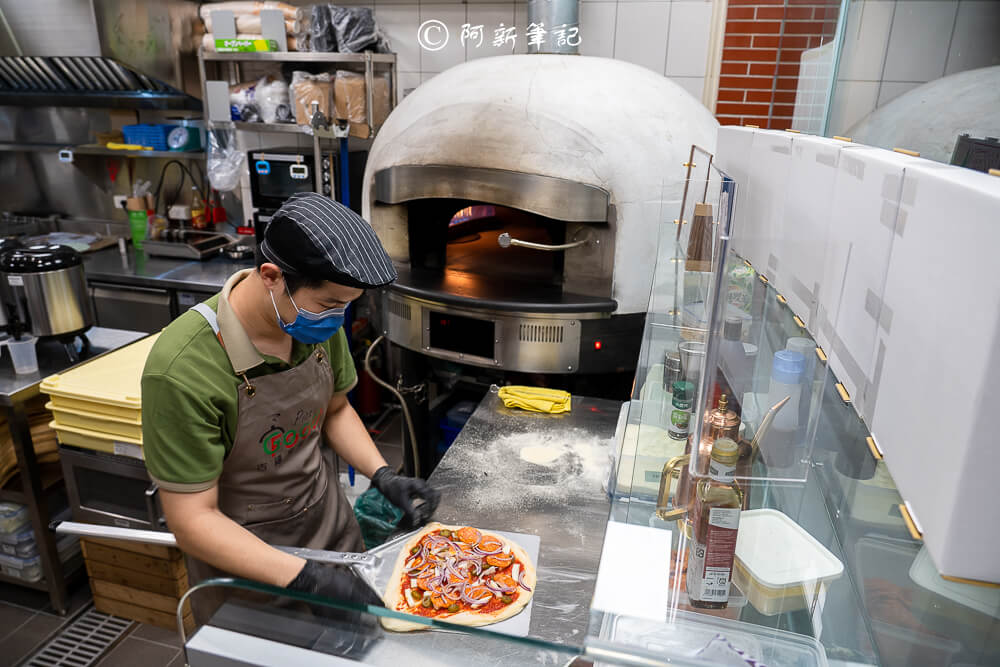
x=190, y=397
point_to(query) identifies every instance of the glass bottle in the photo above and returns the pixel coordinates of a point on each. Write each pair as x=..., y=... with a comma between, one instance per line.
x=198, y=220
x=715, y=518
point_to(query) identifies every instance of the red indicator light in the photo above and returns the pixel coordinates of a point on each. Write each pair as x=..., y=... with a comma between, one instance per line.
x=597, y=345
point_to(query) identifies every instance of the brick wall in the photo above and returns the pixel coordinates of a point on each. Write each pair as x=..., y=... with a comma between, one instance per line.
x=760, y=57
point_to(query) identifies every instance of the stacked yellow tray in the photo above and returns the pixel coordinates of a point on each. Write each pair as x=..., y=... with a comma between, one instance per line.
x=99, y=405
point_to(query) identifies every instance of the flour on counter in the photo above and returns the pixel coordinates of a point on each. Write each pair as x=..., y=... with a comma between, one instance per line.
x=519, y=469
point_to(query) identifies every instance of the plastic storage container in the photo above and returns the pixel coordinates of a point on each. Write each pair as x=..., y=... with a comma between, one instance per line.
x=30, y=569
x=12, y=517
x=109, y=386
x=154, y=136
x=92, y=421
x=683, y=638
x=97, y=441
x=779, y=566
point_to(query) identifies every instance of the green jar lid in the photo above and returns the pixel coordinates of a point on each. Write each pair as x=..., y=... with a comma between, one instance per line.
x=683, y=390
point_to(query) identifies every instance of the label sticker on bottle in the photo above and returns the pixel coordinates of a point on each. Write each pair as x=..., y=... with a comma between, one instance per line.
x=15, y=280
x=710, y=563
x=721, y=471
x=724, y=517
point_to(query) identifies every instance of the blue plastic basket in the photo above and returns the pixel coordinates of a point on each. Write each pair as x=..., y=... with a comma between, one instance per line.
x=154, y=136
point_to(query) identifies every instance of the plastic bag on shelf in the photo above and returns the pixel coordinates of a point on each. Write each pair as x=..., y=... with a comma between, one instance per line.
x=354, y=28
x=225, y=160
x=322, y=37
x=263, y=100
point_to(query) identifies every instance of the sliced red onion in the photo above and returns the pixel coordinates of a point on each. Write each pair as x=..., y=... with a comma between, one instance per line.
x=485, y=552
x=473, y=600
x=504, y=589
x=520, y=581
x=451, y=569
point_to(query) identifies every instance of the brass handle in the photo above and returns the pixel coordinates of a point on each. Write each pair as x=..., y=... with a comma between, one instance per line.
x=665, y=477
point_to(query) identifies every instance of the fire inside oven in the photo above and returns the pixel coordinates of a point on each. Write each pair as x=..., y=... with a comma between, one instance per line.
x=464, y=238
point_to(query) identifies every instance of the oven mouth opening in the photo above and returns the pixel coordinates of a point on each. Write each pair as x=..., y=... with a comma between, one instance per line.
x=463, y=237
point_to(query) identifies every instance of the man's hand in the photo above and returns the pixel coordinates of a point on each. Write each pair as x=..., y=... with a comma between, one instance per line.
x=333, y=582
x=403, y=491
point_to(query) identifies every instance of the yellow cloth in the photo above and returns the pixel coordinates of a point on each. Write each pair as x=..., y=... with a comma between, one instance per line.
x=536, y=399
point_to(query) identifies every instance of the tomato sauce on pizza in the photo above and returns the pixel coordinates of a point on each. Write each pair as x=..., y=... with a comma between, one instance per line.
x=452, y=571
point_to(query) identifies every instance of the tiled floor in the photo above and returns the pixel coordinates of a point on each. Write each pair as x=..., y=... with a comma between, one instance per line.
x=28, y=621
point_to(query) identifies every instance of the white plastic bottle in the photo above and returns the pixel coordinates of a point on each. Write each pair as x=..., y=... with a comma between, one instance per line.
x=779, y=444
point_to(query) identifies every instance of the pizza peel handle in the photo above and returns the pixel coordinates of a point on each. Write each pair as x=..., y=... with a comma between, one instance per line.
x=364, y=560
x=364, y=565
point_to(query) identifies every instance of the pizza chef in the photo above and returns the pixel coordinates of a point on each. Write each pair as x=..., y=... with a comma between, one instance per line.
x=239, y=393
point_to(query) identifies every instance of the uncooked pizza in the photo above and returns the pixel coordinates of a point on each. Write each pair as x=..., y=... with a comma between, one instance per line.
x=459, y=574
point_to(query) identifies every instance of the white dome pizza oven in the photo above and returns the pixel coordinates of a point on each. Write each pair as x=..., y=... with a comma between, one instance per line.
x=514, y=196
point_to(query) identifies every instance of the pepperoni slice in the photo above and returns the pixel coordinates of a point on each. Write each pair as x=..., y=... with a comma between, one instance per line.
x=490, y=544
x=504, y=580
x=500, y=560
x=468, y=535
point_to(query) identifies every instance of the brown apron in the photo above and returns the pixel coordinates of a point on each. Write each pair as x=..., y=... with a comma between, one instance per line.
x=275, y=481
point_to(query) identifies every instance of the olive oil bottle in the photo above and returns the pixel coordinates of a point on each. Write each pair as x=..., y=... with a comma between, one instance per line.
x=715, y=518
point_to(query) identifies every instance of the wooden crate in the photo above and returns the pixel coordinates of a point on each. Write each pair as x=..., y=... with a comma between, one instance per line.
x=140, y=582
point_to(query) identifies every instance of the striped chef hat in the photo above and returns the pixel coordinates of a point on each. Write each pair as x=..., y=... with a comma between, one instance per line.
x=316, y=237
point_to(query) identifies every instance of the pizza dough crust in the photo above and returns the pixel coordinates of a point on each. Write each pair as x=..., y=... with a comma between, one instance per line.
x=540, y=455
x=393, y=595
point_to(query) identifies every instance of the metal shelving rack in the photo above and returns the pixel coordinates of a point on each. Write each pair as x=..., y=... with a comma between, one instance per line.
x=97, y=149
x=370, y=61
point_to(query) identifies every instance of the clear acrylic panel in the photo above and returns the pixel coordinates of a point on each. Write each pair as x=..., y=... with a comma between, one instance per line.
x=255, y=617
x=265, y=625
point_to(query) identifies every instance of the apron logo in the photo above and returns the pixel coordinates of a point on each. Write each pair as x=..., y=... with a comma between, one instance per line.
x=278, y=439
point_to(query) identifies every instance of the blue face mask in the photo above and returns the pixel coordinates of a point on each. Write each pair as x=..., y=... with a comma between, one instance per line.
x=310, y=327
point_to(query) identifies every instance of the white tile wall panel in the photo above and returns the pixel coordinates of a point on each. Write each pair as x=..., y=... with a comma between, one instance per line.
x=641, y=33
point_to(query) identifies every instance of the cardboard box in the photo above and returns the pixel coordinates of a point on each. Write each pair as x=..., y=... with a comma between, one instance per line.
x=351, y=102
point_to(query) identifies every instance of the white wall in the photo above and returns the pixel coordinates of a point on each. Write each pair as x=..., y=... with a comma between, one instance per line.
x=667, y=36
x=892, y=46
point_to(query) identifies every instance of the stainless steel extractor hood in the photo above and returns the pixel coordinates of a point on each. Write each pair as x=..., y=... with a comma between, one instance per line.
x=104, y=53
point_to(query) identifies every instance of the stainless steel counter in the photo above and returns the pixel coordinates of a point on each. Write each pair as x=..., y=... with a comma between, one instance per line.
x=53, y=358
x=485, y=482
x=135, y=268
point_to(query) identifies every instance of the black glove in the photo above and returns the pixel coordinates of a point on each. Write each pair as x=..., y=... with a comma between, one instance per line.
x=402, y=491
x=333, y=581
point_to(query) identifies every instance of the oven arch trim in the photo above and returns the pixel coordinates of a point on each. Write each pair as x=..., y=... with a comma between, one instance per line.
x=548, y=196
